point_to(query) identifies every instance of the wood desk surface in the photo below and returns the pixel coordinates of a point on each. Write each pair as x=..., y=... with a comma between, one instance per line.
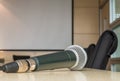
x=62, y=75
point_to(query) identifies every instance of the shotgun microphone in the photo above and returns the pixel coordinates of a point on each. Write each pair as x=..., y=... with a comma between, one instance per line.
x=74, y=57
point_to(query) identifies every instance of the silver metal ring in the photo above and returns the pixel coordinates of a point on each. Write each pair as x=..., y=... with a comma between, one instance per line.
x=23, y=65
x=32, y=64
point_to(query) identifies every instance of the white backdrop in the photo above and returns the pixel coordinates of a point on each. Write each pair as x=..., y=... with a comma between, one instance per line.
x=35, y=24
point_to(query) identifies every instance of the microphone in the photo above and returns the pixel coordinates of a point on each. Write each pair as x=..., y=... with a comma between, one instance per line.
x=73, y=57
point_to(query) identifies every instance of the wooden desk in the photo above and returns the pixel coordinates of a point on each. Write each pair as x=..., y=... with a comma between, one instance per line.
x=62, y=75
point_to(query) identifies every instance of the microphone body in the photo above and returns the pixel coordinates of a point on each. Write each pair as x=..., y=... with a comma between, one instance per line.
x=74, y=57
x=65, y=59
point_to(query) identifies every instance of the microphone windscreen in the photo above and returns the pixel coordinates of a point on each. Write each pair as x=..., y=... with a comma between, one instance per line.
x=81, y=56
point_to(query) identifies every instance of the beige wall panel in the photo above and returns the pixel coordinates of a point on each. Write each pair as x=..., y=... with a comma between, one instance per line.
x=105, y=17
x=105, y=11
x=85, y=40
x=8, y=55
x=101, y=2
x=86, y=3
x=86, y=20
